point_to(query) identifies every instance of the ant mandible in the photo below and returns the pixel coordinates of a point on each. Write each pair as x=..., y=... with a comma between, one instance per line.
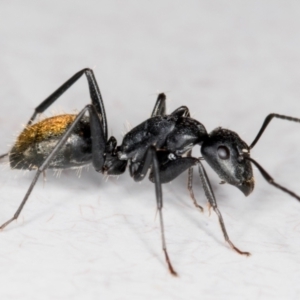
x=161, y=144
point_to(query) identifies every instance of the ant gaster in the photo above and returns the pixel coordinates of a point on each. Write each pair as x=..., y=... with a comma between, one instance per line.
x=161, y=144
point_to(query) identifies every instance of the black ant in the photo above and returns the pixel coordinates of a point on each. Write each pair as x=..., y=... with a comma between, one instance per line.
x=161, y=144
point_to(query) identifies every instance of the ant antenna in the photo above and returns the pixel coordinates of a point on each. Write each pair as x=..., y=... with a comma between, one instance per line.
x=266, y=123
x=269, y=179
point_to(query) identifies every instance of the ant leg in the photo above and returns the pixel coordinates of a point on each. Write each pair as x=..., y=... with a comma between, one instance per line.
x=270, y=180
x=159, y=199
x=266, y=123
x=173, y=168
x=212, y=201
x=3, y=155
x=160, y=106
x=190, y=186
x=181, y=111
x=151, y=159
x=170, y=169
x=95, y=95
x=98, y=147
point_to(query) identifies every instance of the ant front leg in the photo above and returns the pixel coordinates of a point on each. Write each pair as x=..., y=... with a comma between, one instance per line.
x=98, y=148
x=212, y=201
x=138, y=174
x=190, y=185
x=183, y=111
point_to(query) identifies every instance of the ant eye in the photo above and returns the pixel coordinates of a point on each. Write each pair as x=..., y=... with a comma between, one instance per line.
x=223, y=152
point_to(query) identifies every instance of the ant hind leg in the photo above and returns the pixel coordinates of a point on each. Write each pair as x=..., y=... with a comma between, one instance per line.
x=98, y=148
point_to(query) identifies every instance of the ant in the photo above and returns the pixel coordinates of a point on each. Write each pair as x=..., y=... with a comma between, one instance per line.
x=161, y=144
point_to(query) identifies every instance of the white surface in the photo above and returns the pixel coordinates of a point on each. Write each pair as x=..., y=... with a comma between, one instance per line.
x=232, y=63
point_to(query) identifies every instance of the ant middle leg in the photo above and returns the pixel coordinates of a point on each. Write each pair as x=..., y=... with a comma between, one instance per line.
x=138, y=174
x=170, y=169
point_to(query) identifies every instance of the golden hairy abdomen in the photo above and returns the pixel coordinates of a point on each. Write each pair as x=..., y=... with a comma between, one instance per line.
x=43, y=130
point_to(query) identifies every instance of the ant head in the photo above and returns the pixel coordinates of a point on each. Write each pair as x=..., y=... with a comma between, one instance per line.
x=225, y=152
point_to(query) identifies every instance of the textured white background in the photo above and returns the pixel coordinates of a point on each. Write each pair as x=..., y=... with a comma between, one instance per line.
x=231, y=63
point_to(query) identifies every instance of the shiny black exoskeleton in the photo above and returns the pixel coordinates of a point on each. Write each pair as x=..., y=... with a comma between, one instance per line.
x=162, y=145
